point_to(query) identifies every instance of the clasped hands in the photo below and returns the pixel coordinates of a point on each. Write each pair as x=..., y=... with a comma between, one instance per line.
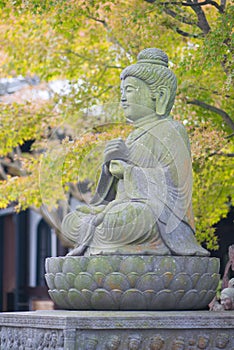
x=116, y=156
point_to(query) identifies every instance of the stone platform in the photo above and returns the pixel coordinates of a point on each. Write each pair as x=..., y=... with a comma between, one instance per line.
x=117, y=330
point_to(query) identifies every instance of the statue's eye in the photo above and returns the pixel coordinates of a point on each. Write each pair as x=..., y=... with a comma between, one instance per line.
x=130, y=88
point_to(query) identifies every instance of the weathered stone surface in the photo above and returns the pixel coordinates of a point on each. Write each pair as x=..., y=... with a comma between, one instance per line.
x=142, y=203
x=132, y=282
x=120, y=330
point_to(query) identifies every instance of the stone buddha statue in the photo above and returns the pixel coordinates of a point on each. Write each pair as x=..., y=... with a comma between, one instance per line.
x=142, y=203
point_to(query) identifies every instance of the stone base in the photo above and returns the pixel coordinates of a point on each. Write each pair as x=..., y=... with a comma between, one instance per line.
x=117, y=330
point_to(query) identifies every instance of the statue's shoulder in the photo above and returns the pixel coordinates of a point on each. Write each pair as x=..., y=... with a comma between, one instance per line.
x=179, y=127
x=169, y=126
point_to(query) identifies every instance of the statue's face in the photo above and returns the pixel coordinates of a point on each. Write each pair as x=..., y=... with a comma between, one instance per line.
x=156, y=344
x=221, y=341
x=203, y=342
x=226, y=302
x=113, y=344
x=133, y=344
x=178, y=346
x=136, y=99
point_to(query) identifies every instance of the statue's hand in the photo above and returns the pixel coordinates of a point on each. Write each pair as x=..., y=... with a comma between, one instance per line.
x=116, y=168
x=116, y=149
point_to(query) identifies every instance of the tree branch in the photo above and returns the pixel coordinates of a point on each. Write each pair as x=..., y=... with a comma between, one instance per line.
x=85, y=58
x=3, y=174
x=180, y=18
x=196, y=6
x=186, y=34
x=202, y=22
x=99, y=20
x=220, y=8
x=112, y=38
x=223, y=4
x=230, y=155
x=212, y=91
x=206, y=2
x=13, y=168
x=226, y=118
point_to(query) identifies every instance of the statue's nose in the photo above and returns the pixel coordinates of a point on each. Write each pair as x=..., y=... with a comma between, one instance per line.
x=123, y=96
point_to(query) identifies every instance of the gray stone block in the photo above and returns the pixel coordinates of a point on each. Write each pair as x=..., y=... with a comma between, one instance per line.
x=120, y=330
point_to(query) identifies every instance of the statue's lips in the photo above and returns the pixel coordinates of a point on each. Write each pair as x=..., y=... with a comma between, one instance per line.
x=124, y=105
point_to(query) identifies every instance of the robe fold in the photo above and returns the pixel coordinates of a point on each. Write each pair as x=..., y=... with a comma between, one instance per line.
x=149, y=210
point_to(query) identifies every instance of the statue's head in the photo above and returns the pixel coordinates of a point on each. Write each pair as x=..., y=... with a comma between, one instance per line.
x=113, y=343
x=134, y=342
x=91, y=343
x=178, y=344
x=152, y=81
x=203, y=341
x=222, y=340
x=227, y=298
x=156, y=342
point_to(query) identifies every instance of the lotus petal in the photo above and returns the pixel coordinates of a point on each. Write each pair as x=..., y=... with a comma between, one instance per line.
x=64, y=295
x=133, y=277
x=150, y=281
x=204, y=282
x=206, y=298
x=195, y=265
x=85, y=281
x=179, y=295
x=78, y=300
x=70, y=277
x=195, y=278
x=133, y=299
x=164, y=300
x=189, y=301
x=202, y=294
x=181, y=281
x=60, y=281
x=99, y=278
x=60, y=298
x=72, y=264
x=84, y=260
x=87, y=294
x=99, y=264
x=166, y=264
x=116, y=280
x=50, y=280
x=53, y=265
x=215, y=281
x=213, y=265
x=116, y=295
x=133, y=264
x=167, y=277
x=103, y=300
x=149, y=295
x=115, y=261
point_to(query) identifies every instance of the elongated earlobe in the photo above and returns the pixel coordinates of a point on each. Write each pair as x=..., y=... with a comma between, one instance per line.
x=163, y=95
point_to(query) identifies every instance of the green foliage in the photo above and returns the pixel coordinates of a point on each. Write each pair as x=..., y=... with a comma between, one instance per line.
x=88, y=43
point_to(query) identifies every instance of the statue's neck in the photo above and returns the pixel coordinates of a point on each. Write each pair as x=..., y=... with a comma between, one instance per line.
x=149, y=119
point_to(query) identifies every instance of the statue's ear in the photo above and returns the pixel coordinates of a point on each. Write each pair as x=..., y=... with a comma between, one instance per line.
x=163, y=95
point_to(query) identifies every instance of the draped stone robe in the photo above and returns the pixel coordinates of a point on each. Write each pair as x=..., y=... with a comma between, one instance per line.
x=149, y=211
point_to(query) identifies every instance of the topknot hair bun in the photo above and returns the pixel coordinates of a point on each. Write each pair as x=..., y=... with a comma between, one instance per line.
x=153, y=56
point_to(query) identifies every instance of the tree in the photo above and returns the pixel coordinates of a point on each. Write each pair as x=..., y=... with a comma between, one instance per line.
x=87, y=43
